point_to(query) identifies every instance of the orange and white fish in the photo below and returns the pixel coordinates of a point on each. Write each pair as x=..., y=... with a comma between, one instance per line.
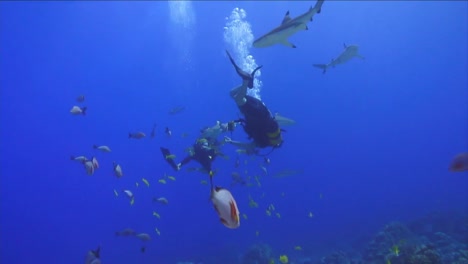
x=89, y=166
x=459, y=163
x=95, y=163
x=226, y=207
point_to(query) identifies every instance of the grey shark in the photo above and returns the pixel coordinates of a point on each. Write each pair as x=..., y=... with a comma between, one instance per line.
x=350, y=52
x=289, y=26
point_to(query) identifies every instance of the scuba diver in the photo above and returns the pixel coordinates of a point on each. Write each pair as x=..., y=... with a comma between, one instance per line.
x=205, y=149
x=258, y=122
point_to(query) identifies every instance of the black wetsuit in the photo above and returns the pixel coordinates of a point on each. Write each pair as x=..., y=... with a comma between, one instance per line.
x=259, y=124
x=204, y=156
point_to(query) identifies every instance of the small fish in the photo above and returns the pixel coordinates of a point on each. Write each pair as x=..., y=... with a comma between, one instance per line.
x=102, y=148
x=145, y=181
x=125, y=232
x=76, y=110
x=157, y=231
x=278, y=215
x=156, y=215
x=311, y=215
x=80, y=98
x=203, y=182
x=95, y=163
x=129, y=194
x=116, y=193
x=252, y=203
x=79, y=158
x=89, y=166
x=268, y=212
x=137, y=184
x=136, y=135
x=143, y=237
x=117, y=170
x=168, y=132
x=184, y=135
x=396, y=250
x=459, y=163
x=257, y=233
x=298, y=248
x=176, y=110
x=162, y=181
x=93, y=256
x=244, y=216
x=172, y=178
x=226, y=207
x=153, y=131
x=161, y=200
x=271, y=207
x=283, y=259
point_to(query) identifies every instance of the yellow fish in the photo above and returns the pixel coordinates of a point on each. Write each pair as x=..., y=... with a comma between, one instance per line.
x=252, y=203
x=298, y=248
x=132, y=201
x=271, y=207
x=157, y=231
x=283, y=259
x=145, y=181
x=203, y=182
x=172, y=178
x=157, y=215
x=245, y=216
x=278, y=215
x=136, y=184
x=170, y=157
x=268, y=212
x=116, y=193
x=162, y=181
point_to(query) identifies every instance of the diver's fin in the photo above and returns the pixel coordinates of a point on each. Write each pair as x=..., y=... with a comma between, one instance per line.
x=171, y=162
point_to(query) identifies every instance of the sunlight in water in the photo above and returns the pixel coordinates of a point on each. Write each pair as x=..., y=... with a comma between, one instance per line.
x=183, y=28
x=239, y=38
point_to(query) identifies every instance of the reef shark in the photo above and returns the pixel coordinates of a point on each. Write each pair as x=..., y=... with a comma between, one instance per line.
x=288, y=28
x=350, y=52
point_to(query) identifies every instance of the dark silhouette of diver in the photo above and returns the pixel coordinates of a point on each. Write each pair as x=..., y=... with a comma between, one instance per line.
x=258, y=122
x=204, y=151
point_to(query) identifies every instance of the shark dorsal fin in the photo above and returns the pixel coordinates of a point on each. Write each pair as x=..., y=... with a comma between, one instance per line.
x=286, y=18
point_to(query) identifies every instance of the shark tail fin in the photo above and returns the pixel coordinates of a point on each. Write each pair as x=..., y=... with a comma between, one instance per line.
x=321, y=66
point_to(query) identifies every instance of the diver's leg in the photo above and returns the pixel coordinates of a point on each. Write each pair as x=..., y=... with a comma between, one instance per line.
x=239, y=93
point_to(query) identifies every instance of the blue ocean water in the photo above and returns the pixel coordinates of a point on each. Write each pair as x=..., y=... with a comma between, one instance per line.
x=372, y=142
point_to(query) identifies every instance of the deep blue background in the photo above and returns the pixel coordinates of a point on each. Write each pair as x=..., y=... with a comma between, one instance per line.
x=375, y=137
